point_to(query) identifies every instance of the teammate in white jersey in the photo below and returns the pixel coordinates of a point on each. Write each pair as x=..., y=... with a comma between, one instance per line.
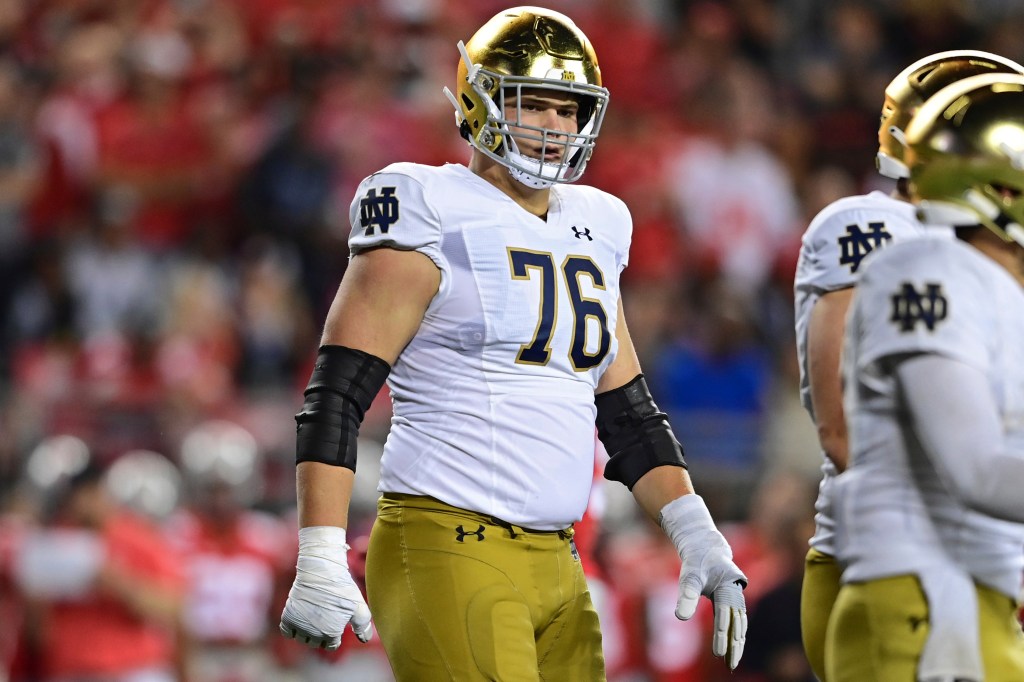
x=929, y=514
x=488, y=297
x=831, y=253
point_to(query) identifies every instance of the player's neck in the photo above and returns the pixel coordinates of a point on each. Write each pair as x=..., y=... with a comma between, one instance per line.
x=901, y=196
x=533, y=201
x=902, y=190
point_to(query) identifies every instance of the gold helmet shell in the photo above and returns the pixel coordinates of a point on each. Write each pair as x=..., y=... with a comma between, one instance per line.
x=914, y=85
x=528, y=47
x=965, y=151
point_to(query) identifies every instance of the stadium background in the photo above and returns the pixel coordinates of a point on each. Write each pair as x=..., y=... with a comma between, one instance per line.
x=175, y=178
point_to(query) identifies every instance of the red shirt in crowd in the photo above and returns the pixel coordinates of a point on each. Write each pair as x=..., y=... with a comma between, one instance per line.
x=100, y=635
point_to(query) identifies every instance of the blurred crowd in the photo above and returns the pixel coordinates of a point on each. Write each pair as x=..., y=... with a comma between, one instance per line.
x=175, y=177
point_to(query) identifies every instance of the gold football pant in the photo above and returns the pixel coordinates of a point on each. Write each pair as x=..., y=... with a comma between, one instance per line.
x=457, y=595
x=879, y=628
x=817, y=595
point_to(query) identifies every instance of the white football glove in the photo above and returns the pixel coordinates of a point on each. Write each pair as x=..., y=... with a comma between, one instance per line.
x=707, y=569
x=324, y=598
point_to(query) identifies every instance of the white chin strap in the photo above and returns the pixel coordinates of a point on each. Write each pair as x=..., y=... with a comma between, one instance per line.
x=887, y=165
x=526, y=170
x=890, y=167
x=955, y=215
x=945, y=213
x=949, y=213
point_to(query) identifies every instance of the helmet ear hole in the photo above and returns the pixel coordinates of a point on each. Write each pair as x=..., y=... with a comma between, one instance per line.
x=587, y=107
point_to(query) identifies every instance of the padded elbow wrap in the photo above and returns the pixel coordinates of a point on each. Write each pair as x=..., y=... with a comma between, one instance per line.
x=343, y=385
x=636, y=435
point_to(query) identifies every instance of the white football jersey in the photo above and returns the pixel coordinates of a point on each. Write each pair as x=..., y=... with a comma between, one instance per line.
x=494, y=397
x=896, y=517
x=831, y=254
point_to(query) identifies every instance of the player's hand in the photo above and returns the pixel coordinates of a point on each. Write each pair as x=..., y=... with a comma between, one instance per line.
x=707, y=570
x=324, y=598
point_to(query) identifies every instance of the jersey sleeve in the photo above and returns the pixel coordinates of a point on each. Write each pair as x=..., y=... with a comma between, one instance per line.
x=837, y=242
x=914, y=300
x=391, y=209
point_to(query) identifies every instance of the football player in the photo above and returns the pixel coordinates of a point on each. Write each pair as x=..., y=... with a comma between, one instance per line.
x=487, y=296
x=831, y=254
x=929, y=514
x=236, y=557
x=98, y=574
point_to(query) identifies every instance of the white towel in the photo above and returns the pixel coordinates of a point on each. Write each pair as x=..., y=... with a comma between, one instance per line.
x=952, y=652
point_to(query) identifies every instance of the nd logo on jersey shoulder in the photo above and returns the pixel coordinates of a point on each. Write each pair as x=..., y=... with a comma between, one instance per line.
x=910, y=306
x=857, y=243
x=378, y=211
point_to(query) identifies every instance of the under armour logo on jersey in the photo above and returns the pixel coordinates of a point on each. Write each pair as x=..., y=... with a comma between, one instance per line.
x=857, y=243
x=378, y=211
x=462, y=533
x=581, y=233
x=910, y=306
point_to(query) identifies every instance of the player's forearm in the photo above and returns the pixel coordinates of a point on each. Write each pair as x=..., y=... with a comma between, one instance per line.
x=323, y=492
x=957, y=421
x=834, y=444
x=825, y=339
x=660, y=486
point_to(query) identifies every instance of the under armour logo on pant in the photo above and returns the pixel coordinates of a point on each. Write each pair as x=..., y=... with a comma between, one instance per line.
x=462, y=533
x=916, y=622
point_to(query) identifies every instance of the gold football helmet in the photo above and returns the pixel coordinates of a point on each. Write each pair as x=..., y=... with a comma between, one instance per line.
x=915, y=84
x=966, y=155
x=523, y=48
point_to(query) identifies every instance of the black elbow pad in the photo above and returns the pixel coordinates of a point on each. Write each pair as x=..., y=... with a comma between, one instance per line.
x=343, y=385
x=635, y=433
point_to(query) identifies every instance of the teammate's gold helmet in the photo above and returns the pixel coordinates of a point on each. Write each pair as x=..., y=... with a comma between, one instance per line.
x=914, y=85
x=522, y=48
x=966, y=155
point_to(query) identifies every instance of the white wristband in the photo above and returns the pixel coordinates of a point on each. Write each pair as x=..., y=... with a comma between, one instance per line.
x=317, y=539
x=683, y=516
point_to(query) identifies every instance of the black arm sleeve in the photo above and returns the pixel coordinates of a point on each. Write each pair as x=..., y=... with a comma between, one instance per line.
x=636, y=435
x=343, y=385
